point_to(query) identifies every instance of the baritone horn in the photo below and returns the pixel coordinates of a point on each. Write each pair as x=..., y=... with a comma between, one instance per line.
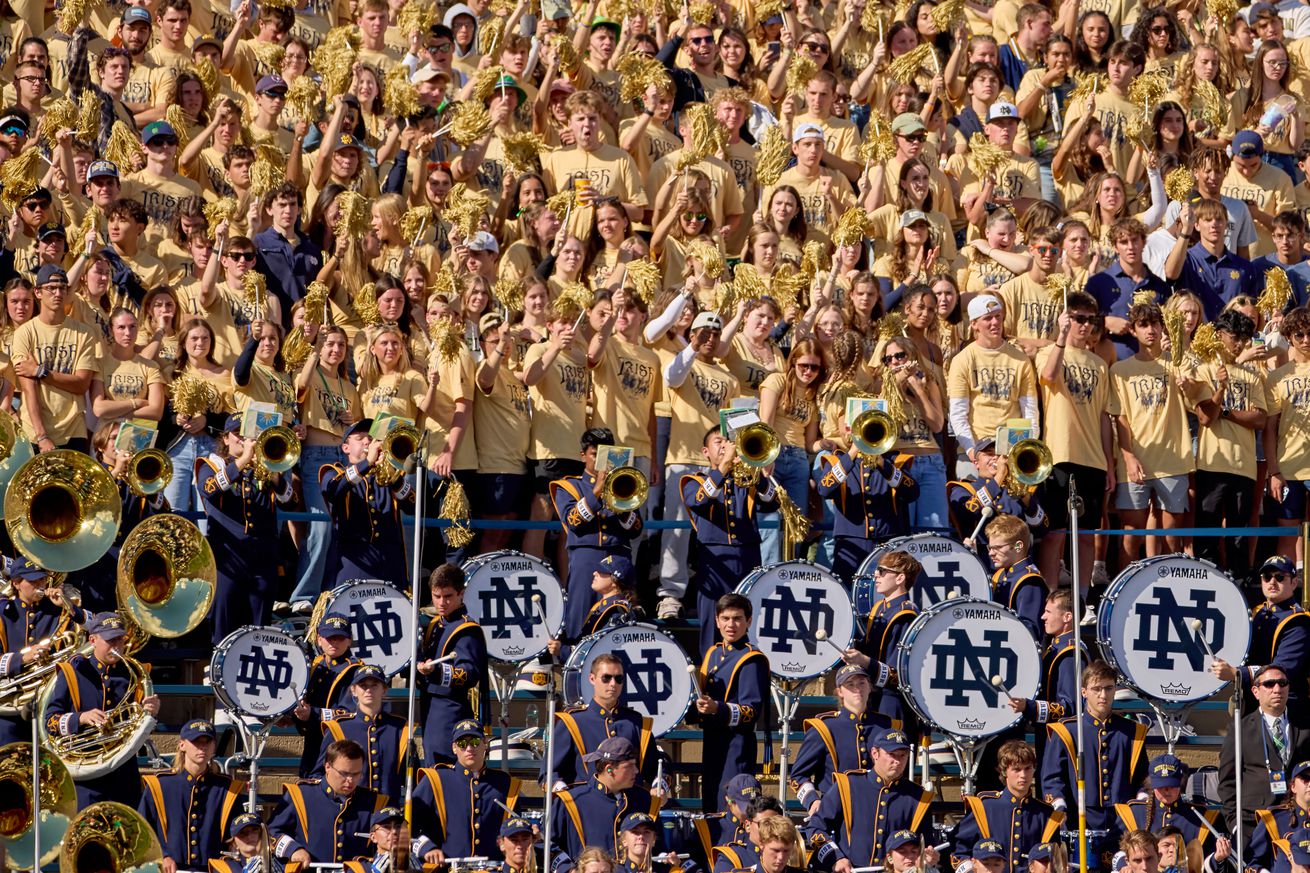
x=1031, y=462
x=277, y=450
x=757, y=444
x=873, y=433
x=625, y=489
x=109, y=836
x=63, y=510
x=398, y=444
x=18, y=825
x=149, y=472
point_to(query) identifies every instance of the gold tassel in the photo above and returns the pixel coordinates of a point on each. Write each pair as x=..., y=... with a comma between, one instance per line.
x=509, y=294
x=573, y=300
x=181, y=124
x=1277, y=292
x=353, y=215
x=219, y=211
x=772, y=154
x=1176, y=329
x=710, y=257
x=799, y=74
x=455, y=509
x=490, y=35
x=795, y=524
x=72, y=13
x=303, y=97
x=522, y=151
x=365, y=303
x=446, y=338
x=417, y=16
x=645, y=277
x=1179, y=184
x=124, y=148
x=1058, y=286
x=192, y=394
x=852, y=228
x=906, y=67
x=296, y=349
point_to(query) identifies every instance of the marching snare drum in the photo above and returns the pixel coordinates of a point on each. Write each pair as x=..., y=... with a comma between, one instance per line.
x=259, y=672
x=792, y=602
x=379, y=614
x=949, y=657
x=658, y=674
x=947, y=566
x=1146, y=626
x=498, y=596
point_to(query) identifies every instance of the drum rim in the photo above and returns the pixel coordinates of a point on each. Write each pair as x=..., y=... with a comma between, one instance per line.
x=477, y=562
x=219, y=654
x=861, y=579
x=744, y=586
x=586, y=643
x=349, y=584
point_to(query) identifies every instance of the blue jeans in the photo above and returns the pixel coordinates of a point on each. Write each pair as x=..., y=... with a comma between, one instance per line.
x=313, y=555
x=931, y=510
x=181, y=489
x=792, y=470
x=1049, y=192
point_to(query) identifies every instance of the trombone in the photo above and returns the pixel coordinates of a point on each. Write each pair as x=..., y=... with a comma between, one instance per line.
x=149, y=472
x=1030, y=462
x=277, y=450
x=399, y=443
x=758, y=444
x=873, y=433
x=625, y=489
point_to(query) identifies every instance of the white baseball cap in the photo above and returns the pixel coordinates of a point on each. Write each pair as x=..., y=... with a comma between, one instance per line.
x=983, y=304
x=1001, y=109
x=707, y=319
x=806, y=131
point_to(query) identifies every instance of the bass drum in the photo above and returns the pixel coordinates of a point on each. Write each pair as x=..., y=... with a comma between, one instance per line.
x=499, y=594
x=1146, y=626
x=658, y=673
x=949, y=570
x=259, y=672
x=949, y=658
x=793, y=602
x=379, y=614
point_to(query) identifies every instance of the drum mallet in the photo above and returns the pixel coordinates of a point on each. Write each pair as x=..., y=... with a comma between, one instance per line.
x=1196, y=628
x=822, y=636
x=987, y=513
x=1000, y=684
x=537, y=608
x=691, y=671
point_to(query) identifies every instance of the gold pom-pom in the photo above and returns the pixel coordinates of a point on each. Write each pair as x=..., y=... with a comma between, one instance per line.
x=814, y=257
x=219, y=211
x=852, y=228
x=303, y=97
x=795, y=523
x=269, y=54
x=296, y=349
x=491, y=33
x=637, y=74
x=1179, y=184
x=786, y=286
x=702, y=12
x=645, y=277
x=561, y=203
x=1085, y=85
x=905, y=68
x=1058, y=286
x=181, y=124
x=1208, y=104
x=90, y=223
x=1148, y=89
x=353, y=215
x=335, y=59
x=484, y=82
x=765, y=9
x=875, y=21
x=1175, y=328
x=568, y=60
x=61, y=115
x=984, y=157
x=708, y=135
x=20, y=175
x=879, y=144
x=772, y=154
x=399, y=97
x=88, y=116
x=417, y=15
x=207, y=73
x=316, y=302
x=1137, y=128
x=416, y=220
x=72, y=14
x=465, y=209
x=446, y=338
x=946, y=14
x=574, y=299
x=1206, y=345
x=891, y=325
x=1277, y=293
x=522, y=151
x=509, y=294
x=1224, y=11
x=254, y=289
x=192, y=394
x=799, y=74
x=455, y=509
x=1145, y=297
x=365, y=303
x=444, y=284
x=468, y=122
x=710, y=257
x=124, y=148
x=747, y=284
x=268, y=171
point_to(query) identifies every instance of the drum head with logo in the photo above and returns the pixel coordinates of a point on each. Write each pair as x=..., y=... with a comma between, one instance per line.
x=259, y=672
x=657, y=673
x=1146, y=626
x=947, y=661
x=947, y=567
x=379, y=614
x=498, y=596
x=794, y=603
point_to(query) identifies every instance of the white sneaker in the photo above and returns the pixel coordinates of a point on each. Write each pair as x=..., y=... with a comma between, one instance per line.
x=1089, y=616
x=281, y=607
x=1100, y=578
x=670, y=608
x=302, y=607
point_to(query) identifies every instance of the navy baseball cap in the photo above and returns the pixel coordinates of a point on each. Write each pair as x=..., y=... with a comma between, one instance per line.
x=1299, y=842
x=617, y=566
x=156, y=129
x=515, y=825
x=271, y=84
x=985, y=850
x=891, y=741
x=24, y=569
x=900, y=840
x=49, y=229
x=107, y=626
x=51, y=273
x=136, y=13
x=1167, y=772
x=1302, y=769
x=986, y=444
x=1041, y=852
x=98, y=169
x=850, y=671
x=611, y=751
x=335, y=625
x=1248, y=144
x=365, y=672
x=233, y=423
x=742, y=788
x=1279, y=564
x=466, y=728
x=386, y=814
x=243, y=821
x=194, y=730
x=1262, y=10
x=634, y=820
x=364, y=425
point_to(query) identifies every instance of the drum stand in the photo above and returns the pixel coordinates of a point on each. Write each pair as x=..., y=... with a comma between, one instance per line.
x=504, y=676
x=786, y=699
x=1172, y=721
x=967, y=752
x=253, y=741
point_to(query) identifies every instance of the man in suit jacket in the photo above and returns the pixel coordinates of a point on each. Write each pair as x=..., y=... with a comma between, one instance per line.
x=1273, y=742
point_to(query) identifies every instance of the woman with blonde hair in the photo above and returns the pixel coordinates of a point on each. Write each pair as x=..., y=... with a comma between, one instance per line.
x=687, y=222
x=387, y=381
x=127, y=385
x=195, y=359
x=159, y=311
x=386, y=213
x=921, y=387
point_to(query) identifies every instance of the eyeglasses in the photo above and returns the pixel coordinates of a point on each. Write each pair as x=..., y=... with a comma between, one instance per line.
x=241, y=256
x=1277, y=577
x=894, y=358
x=884, y=571
x=349, y=775
x=1081, y=318
x=1300, y=334
x=1160, y=29
x=694, y=216
x=30, y=78
x=1277, y=65
x=807, y=367
x=467, y=743
x=1046, y=251
x=441, y=48
x=702, y=40
x=1273, y=683
x=816, y=46
x=607, y=678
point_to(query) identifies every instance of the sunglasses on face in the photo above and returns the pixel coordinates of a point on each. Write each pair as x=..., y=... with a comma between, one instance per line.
x=1272, y=683
x=702, y=40
x=163, y=141
x=914, y=137
x=607, y=678
x=694, y=216
x=1277, y=577
x=441, y=48
x=894, y=358
x=468, y=743
x=35, y=205
x=815, y=46
x=241, y=256
x=1046, y=251
x=1160, y=29
x=807, y=367
x=1300, y=334
x=1081, y=318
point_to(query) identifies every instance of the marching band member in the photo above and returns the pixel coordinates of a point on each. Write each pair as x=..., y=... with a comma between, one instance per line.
x=614, y=585
x=868, y=495
x=592, y=532
x=839, y=840
x=580, y=729
x=517, y=843
x=1113, y=764
x=1059, y=680
x=590, y=813
x=1164, y=809
x=1016, y=581
x=1280, y=634
x=243, y=530
x=326, y=820
x=368, y=537
x=894, y=576
x=88, y=687
x=1282, y=741
x=329, y=679
x=381, y=735
x=1268, y=846
x=455, y=653
x=1012, y=818
x=723, y=508
x=389, y=836
x=246, y=835
x=971, y=498
x=744, y=851
x=734, y=685
x=191, y=807
x=837, y=741
x=455, y=805
x=780, y=847
x=636, y=850
x=720, y=828
x=30, y=620
x=904, y=852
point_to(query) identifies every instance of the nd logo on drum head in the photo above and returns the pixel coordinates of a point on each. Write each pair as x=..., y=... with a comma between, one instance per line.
x=658, y=681
x=517, y=600
x=948, y=567
x=796, y=605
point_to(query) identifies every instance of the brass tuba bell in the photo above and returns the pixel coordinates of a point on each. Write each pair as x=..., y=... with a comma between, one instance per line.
x=149, y=472
x=757, y=444
x=166, y=576
x=873, y=433
x=399, y=443
x=18, y=827
x=277, y=450
x=63, y=510
x=109, y=836
x=15, y=451
x=625, y=489
x=1030, y=462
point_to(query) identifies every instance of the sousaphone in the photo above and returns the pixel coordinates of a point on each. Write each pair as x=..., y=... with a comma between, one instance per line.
x=19, y=825
x=108, y=837
x=63, y=510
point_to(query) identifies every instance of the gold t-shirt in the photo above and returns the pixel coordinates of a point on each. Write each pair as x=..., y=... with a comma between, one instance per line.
x=993, y=380
x=627, y=381
x=130, y=379
x=456, y=381
x=395, y=394
x=1147, y=395
x=1271, y=189
x=559, y=403
x=1289, y=399
x=1072, y=411
x=64, y=348
x=1029, y=311
x=504, y=425
x=1226, y=446
x=695, y=406
x=326, y=400
x=612, y=171
x=267, y=385
x=749, y=370
x=791, y=420
x=226, y=318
